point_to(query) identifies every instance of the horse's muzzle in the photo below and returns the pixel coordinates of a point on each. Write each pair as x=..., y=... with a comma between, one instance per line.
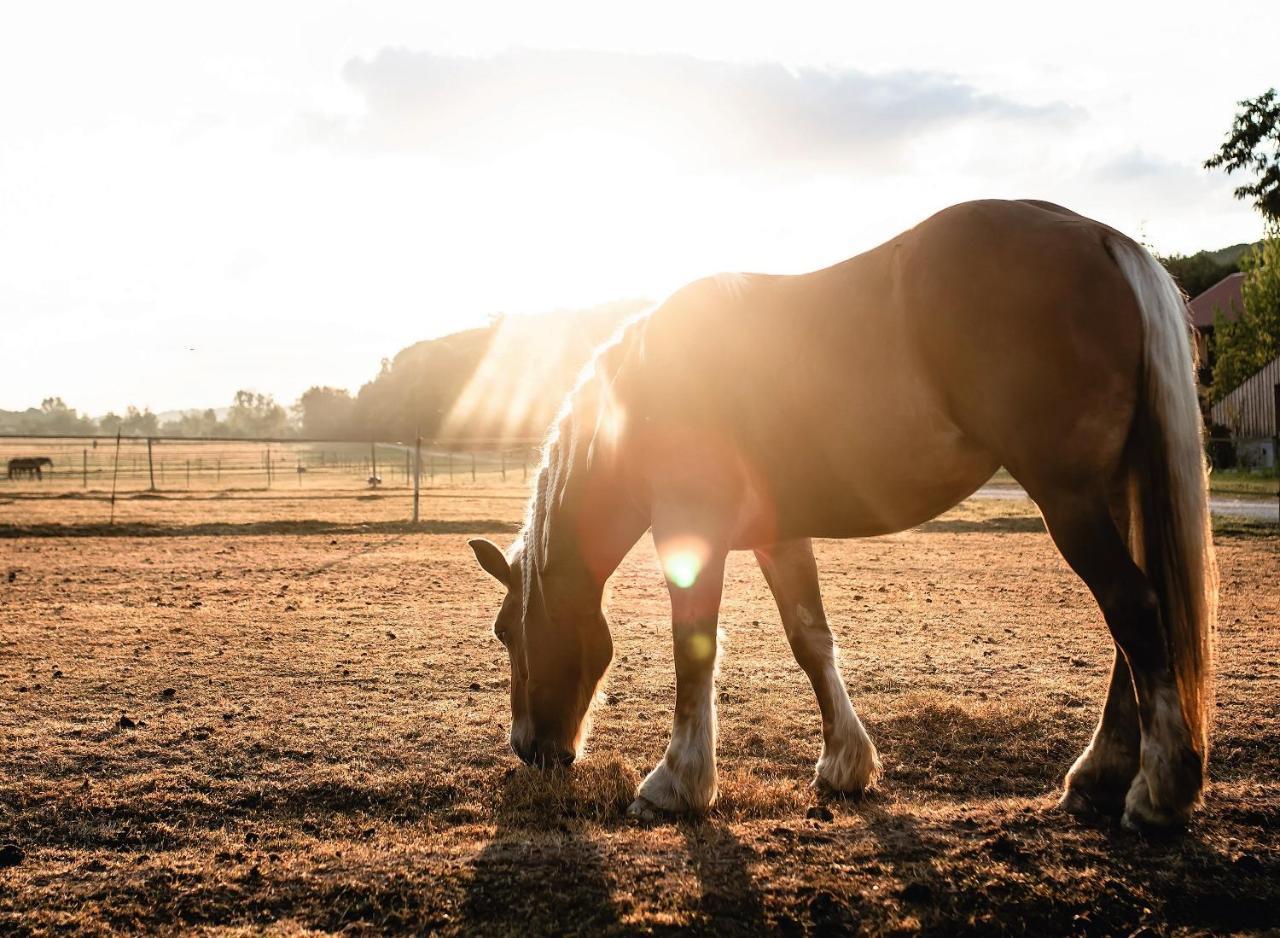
x=544, y=755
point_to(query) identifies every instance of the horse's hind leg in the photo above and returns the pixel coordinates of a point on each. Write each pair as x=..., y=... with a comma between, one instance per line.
x=1170, y=773
x=1101, y=777
x=849, y=762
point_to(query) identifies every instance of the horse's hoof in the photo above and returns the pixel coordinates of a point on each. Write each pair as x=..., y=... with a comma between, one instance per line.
x=1141, y=816
x=825, y=789
x=1151, y=823
x=1077, y=804
x=644, y=811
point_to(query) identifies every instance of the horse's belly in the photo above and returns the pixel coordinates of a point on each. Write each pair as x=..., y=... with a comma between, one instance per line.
x=860, y=484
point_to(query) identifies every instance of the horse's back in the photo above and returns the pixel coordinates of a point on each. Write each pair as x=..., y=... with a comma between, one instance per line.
x=874, y=394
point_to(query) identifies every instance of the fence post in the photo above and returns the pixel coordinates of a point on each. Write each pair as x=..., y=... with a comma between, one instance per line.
x=115, y=474
x=188, y=474
x=84, y=468
x=218, y=477
x=373, y=460
x=473, y=466
x=417, y=474
x=151, y=466
x=450, y=466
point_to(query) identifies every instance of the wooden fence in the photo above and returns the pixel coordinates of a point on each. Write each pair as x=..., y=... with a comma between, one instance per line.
x=1250, y=410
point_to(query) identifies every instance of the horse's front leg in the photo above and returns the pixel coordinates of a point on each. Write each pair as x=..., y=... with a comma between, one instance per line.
x=685, y=779
x=849, y=762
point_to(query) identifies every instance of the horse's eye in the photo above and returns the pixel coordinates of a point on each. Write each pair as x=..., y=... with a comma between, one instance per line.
x=502, y=635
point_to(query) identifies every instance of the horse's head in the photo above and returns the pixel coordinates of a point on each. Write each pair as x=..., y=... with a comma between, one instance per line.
x=559, y=645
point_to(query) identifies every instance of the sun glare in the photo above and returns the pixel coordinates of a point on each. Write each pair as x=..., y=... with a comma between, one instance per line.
x=683, y=560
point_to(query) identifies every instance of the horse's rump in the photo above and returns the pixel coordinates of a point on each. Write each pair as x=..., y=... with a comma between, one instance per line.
x=872, y=395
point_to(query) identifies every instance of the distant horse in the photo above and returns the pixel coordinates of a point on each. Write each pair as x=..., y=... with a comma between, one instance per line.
x=755, y=412
x=30, y=466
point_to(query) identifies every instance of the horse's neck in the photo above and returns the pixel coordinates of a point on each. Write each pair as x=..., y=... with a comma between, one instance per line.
x=597, y=519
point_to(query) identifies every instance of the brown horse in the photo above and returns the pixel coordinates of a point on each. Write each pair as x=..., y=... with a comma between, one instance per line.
x=755, y=412
x=30, y=466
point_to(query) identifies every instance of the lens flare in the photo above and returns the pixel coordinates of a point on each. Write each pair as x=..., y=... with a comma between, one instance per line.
x=683, y=560
x=702, y=647
x=682, y=569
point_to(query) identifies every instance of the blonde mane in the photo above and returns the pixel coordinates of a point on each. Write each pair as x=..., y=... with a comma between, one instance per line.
x=589, y=418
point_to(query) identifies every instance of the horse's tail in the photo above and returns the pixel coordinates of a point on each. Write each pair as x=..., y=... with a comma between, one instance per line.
x=1170, y=533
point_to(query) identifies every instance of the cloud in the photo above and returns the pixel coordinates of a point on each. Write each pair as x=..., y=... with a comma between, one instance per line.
x=1145, y=181
x=697, y=112
x=1137, y=165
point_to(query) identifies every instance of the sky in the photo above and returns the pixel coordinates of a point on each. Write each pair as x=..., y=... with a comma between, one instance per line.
x=201, y=198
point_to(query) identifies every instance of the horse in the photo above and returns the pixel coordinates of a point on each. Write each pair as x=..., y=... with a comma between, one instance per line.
x=755, y=412
x=29, y=466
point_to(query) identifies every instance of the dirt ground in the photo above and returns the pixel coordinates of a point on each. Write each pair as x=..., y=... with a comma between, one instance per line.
x=244, y=722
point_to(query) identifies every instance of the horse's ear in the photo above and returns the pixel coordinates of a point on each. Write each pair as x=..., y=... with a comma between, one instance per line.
x=492, y=560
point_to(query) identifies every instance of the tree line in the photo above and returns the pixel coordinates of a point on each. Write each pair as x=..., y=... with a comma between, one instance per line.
x=413, y=393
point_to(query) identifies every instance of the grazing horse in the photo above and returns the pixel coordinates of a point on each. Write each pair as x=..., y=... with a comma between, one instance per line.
x=30, y=466
x=755, y=412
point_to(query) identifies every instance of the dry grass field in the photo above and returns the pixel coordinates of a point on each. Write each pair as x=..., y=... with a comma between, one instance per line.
x=232, y=716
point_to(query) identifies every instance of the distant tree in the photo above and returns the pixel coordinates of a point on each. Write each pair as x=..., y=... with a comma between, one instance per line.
x=255, y=414
x=1243, y=347
x=110, y=422
x=1254, y=144
x=55, y=416
x=325, y=412
x=194, y=423
x=1197, y=272
x=139, y=422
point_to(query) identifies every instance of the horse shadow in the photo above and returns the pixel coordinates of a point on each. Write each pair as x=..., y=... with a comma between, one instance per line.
x=541, y=872
x=729, y=900
x=549, y=868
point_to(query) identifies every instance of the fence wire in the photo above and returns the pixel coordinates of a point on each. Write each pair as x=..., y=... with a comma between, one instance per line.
x=281, y=476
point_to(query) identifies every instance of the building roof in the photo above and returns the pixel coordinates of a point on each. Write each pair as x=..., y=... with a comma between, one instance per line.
x=1223, y=295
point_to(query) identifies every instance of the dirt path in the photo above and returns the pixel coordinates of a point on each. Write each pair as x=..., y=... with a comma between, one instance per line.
x=1222, y=506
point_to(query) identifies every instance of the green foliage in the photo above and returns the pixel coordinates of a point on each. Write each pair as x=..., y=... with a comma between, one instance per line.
x=1243, y=347
x=1197, y=272
x=1254, y=144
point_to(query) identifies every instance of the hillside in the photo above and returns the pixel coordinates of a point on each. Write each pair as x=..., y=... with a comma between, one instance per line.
x=1197, y=272
x=503, y=381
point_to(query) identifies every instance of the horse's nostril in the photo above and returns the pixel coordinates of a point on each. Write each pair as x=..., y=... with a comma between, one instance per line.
x=525, y=753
